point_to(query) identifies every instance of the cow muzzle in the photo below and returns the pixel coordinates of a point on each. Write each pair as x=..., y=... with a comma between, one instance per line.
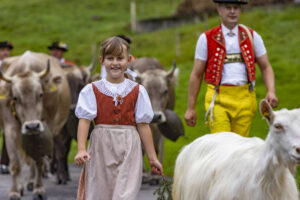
x=159, y=117
x=32, y=127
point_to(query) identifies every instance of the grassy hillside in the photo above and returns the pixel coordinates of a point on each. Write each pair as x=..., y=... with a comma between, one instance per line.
x=34, y=24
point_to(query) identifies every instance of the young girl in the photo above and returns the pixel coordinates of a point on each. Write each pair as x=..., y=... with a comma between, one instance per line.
x=122, y=112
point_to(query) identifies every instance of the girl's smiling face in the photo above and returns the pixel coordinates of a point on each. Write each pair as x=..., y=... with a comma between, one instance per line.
x=115, y=66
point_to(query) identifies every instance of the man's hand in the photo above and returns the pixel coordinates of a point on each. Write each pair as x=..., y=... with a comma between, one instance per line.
x=190, y=117
x=272, y=99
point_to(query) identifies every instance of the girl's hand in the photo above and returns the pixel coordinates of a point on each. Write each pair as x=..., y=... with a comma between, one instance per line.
x=82, y=157
x=156, y=167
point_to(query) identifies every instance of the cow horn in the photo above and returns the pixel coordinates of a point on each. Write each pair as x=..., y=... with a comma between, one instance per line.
x=171, y=71
x=5, y=78
x=93, y=62
x=44, y=73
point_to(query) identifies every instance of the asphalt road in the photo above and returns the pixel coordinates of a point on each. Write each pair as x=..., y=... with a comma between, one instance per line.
x=64, y=192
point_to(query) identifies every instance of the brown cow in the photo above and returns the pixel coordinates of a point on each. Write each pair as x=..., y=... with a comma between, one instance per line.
x=77, y=77
x=160, y=85
x=37, y=96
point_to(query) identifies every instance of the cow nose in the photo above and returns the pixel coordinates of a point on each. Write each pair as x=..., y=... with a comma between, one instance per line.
x=159, y=117
x=156, y=118
x=32, y=126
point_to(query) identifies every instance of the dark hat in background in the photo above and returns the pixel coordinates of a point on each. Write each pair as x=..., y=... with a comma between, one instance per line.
x=6, y=44
x=126, y=38
x=231, y=1
x=59, y=45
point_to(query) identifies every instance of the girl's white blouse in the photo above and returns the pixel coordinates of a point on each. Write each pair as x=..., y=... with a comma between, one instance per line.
x=87, y=105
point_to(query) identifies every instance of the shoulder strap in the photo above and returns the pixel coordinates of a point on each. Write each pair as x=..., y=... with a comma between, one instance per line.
x=250, y=37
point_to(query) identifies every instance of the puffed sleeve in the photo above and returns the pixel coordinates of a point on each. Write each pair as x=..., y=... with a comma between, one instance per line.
x=86, y=105
x=143, y=108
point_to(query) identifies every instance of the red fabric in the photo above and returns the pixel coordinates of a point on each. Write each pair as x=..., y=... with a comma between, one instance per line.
x=69, y=62
x=122, y=114
x=217, y=52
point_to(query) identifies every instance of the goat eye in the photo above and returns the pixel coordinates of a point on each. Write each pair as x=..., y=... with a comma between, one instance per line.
x=41, y=95
x=279, y=127
x=15, y=99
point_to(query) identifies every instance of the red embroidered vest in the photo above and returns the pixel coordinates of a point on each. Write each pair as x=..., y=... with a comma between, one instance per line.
x=217, y=52
x=122, y=114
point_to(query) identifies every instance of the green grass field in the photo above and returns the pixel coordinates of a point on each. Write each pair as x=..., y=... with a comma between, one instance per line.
x=34, y=24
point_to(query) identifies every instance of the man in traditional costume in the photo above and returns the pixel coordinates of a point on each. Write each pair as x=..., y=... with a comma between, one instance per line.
x=5, y=48
x=226, y=56
x=57, y=50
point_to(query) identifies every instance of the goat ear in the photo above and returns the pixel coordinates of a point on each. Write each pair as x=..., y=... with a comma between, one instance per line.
x=266, y=111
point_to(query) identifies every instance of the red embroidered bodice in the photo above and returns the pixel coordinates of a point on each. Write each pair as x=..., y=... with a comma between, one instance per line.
x=122, y=114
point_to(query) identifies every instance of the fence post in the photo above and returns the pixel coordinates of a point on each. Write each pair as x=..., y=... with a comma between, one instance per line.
x=205, y=16
x=133, y=16
x=177, y=43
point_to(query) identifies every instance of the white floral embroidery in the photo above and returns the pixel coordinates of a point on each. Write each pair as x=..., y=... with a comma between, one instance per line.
x=115, y=90
x=118, y=99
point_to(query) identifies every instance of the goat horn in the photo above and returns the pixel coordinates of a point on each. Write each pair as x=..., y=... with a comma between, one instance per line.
x=44, y=73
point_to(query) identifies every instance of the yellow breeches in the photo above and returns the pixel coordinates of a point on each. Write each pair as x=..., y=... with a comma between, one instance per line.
x=233, y=110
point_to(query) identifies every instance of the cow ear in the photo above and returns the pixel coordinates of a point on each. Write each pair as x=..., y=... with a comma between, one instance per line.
x=128, y=76
x=138, y=77
x=55, y=81
x=172, y=76
x=266, y=111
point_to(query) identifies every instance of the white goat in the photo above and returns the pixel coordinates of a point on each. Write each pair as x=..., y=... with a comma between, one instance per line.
x=226, y=166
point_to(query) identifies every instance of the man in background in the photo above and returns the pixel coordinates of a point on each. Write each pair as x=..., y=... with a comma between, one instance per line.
x=57, y=50
x=5, y=48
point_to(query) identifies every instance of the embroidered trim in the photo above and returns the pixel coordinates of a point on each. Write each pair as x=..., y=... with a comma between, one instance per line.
x=128, y=86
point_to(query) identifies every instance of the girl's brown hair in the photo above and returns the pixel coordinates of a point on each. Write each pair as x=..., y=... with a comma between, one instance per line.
x=114, y=46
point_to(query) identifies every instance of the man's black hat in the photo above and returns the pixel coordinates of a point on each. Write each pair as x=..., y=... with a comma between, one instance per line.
x=6, y=44
x=126, y=38
x=59, y=45
x=231, y=1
